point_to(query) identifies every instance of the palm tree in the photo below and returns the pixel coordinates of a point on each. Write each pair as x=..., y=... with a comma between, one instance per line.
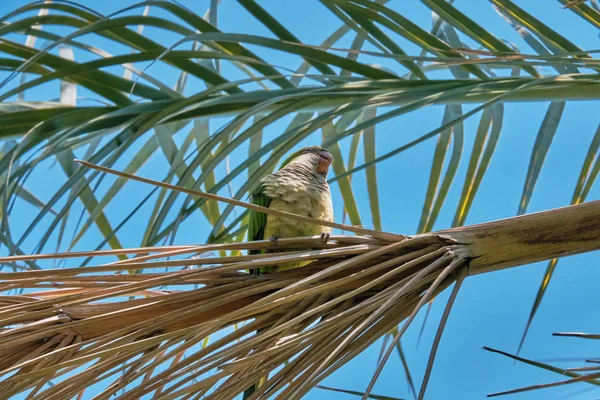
x=239, y=103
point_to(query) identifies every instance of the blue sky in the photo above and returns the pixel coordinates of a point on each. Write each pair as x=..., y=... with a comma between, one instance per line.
x=491, y=310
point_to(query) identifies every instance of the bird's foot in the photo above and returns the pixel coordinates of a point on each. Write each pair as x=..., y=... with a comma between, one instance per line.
x=325, y=236
x=274, y=239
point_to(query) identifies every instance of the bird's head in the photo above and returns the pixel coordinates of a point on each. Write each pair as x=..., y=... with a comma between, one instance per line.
x=318, y=158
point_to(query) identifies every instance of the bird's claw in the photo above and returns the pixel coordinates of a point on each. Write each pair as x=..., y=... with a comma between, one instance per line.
x=274, y=239
x=325, y=236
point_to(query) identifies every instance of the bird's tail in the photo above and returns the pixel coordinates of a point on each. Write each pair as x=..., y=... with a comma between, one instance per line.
x=248, y=392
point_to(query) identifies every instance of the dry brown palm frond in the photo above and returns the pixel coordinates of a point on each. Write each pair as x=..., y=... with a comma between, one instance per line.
x=80, y=326
x=317, y=316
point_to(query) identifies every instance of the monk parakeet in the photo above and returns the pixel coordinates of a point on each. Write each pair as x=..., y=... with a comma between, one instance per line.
x=300, y=187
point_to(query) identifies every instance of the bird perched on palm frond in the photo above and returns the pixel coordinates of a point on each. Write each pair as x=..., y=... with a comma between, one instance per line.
x=299, y=187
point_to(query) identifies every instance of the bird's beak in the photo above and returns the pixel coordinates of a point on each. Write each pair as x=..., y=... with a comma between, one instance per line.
x=325, y=160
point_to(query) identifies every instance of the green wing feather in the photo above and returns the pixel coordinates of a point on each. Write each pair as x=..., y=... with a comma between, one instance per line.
x=257, y=221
